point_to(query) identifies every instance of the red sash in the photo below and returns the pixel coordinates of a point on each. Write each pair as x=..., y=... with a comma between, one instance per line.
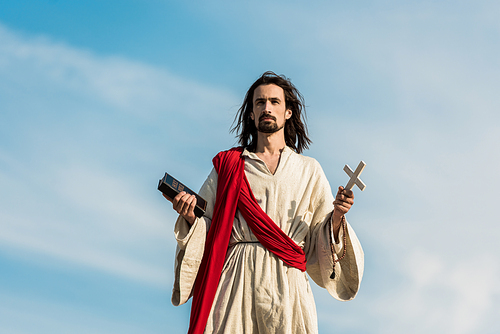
x=233, y=190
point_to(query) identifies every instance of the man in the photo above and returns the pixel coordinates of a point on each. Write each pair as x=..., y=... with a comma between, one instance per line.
x=270, y=217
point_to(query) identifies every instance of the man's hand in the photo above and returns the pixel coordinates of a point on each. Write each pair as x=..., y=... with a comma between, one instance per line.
x=343, y=201
x=342, y=204
x=184, y=204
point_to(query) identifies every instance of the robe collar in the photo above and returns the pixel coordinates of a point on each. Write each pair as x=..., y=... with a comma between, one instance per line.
x=285, y=154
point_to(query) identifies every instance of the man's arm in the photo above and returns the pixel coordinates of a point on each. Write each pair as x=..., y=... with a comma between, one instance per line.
x=342, y=204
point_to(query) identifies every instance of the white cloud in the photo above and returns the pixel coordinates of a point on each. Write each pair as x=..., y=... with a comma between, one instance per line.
x=86, y=219
x=27, y=315
x=87, y=139
x=431, y=175
x=138, y=88
x=441, y=297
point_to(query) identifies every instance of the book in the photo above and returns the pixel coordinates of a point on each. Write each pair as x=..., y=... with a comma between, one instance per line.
x=170, y=186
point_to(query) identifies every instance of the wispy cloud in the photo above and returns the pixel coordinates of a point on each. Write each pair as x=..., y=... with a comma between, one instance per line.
x=26, y=315
x=429, y=212
x=79, y=168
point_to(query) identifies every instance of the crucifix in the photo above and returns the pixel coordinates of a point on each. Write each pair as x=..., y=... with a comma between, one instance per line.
x=354, y=176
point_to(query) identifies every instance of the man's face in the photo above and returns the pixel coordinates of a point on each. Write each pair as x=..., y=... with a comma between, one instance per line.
x=269, y=108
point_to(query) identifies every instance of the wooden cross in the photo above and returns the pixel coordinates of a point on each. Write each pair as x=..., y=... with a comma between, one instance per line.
x=354, y=176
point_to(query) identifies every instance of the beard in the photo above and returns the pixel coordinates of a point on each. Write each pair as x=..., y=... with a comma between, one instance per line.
x=268, y=126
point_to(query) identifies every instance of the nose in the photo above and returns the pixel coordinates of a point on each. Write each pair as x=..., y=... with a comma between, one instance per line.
x=267, y=108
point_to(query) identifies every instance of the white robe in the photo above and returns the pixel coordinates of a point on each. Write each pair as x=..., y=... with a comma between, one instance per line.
x=257, y=292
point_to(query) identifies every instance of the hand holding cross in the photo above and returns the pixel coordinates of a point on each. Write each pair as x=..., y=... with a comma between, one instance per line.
x=345, y=196
x=343, y=202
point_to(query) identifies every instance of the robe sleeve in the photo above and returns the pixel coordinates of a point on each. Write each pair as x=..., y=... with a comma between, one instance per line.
x=191, y=244
x=349, y=271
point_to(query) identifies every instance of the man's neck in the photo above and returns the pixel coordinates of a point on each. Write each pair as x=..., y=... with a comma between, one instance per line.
x=269, y=148
x=270, y=144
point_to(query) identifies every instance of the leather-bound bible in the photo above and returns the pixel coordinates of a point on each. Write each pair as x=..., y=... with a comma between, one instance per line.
x=171, y=187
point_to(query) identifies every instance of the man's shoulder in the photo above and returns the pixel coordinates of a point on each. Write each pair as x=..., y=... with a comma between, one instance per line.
x=302, y=157
x=305, y=160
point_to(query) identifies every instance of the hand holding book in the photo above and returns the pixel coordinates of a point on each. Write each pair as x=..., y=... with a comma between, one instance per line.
x=185, y=201
x=184, y=205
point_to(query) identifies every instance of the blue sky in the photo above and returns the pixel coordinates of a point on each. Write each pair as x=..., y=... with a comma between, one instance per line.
x=99, y=98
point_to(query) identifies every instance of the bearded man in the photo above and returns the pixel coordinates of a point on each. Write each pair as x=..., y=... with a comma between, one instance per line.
x=271, y=217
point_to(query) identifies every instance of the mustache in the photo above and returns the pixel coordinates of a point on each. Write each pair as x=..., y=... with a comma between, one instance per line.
x=266, y=116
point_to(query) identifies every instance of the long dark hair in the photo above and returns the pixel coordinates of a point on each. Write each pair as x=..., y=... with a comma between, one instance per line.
x=295, y=128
